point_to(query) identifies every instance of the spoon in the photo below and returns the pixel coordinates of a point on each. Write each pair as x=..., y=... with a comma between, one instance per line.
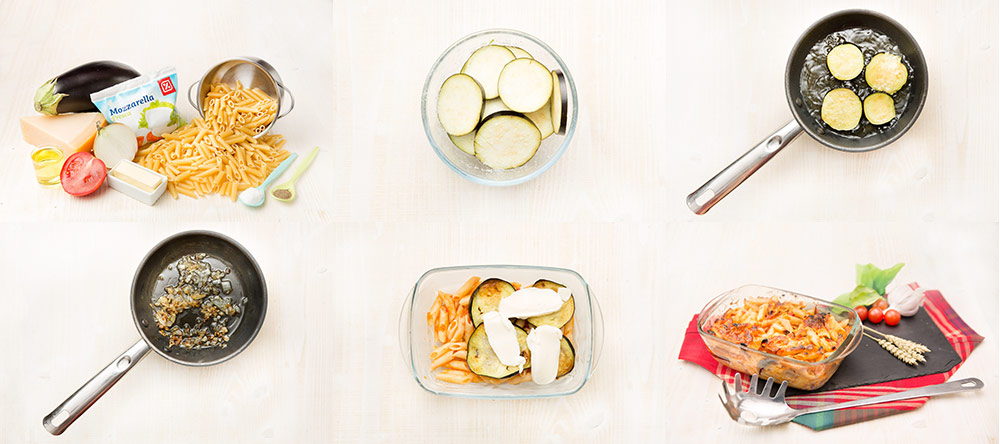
x=286, y=192
x=254, y=197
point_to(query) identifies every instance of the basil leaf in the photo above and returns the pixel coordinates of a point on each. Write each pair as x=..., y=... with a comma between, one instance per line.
x=875, y=278
x=861, y=295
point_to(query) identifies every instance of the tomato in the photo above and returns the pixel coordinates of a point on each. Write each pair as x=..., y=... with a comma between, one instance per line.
x=82, y=174
x=862, y=312
x=892, y=317
x=875, y=315
x=882, y=304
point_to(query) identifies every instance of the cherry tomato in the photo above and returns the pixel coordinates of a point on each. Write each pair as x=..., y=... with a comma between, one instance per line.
x=82, y=174
x=892, y=317
x=862, y=312
x=875, y=315
x=882, y=304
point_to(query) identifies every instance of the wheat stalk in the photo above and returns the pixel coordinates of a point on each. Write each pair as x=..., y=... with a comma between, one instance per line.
x=902, y=343
x=908, y=356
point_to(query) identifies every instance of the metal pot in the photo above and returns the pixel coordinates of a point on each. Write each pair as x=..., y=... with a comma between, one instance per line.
x=252, y=72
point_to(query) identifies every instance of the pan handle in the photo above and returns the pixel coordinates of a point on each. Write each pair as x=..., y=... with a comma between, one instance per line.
x=728, y=179
x=74, y=406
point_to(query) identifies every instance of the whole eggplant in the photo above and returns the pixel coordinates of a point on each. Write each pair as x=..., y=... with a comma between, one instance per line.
x=70, y=91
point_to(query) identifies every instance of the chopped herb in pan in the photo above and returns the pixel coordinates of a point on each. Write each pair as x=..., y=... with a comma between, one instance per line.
x=202, y=291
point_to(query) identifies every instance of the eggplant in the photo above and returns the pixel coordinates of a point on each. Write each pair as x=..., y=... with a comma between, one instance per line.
x=558, y=318
x=485, y=65
x=845, y=61
x=459, y=105
x=487, y=298
x=886, y=72
x=567, y=357
x=524, y=85
x=879, y=108
x=466, y=143
x=543, y=120
x=519, y=53
x=484, y=362
x=70, y=91
x=490, y=108
x=507, y=140
x=559, y=103
x=841, y=109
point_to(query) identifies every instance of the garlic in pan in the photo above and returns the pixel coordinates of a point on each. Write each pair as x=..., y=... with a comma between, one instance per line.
x=905, y=300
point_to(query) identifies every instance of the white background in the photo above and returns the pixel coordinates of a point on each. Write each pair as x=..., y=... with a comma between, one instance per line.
x=670, y=93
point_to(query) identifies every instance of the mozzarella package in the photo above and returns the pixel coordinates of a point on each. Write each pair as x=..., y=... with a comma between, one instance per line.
x=146, y=104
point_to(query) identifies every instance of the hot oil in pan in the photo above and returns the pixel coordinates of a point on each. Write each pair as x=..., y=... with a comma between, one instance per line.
x=195, y=302
x=816, y=80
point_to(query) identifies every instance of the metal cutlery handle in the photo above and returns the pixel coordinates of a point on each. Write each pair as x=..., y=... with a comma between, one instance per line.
x=74, y=406
x=704, y=198
x=931, y=390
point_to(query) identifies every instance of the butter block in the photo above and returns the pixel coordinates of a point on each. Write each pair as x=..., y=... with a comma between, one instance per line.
x=137, y=182
x=71, y=133
x=137, y=176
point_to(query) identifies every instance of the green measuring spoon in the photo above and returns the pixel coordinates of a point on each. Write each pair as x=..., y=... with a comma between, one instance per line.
x=286, y=192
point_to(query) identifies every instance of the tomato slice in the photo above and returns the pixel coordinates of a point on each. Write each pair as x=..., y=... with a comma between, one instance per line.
x=82, y=174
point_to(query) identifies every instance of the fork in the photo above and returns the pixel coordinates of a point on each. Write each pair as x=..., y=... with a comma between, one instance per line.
x=762, y=409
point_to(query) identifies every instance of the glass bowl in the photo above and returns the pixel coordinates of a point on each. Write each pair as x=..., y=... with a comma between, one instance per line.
x=466, y=165
x=799, y=374
x=416, y=341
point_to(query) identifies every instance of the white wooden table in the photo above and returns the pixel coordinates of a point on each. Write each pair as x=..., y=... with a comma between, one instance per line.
x=660, y=114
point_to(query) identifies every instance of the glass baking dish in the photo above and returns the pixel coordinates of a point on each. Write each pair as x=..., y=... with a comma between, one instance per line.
x=799, y=374
x=416, y=342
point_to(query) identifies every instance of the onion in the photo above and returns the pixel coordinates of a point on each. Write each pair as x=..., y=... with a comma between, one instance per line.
x=114, y=143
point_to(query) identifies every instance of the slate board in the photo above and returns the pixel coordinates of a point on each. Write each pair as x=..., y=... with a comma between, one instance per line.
x=871, y=364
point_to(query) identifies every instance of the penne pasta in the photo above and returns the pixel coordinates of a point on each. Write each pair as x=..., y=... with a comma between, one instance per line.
x=789, y=329
x=211, y=155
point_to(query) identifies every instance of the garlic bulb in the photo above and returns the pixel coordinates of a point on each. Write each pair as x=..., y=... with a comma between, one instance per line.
x=905, y=300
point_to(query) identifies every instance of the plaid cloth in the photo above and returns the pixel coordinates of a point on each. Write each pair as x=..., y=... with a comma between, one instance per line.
x=959, y=334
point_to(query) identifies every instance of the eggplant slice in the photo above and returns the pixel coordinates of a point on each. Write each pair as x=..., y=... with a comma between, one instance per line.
x=558, y=318
x=485, y=65
x=543, y=120
x=559, y=103
x=465, y=142
x=845, y=61
x=520, y=53
x=567, y=357
x=492, y=107
x=484, y=362
x=524, y=85
x=841, y=109
x=507, y=140
x=879, y=108
x=886, y=73
x=459, y=105
x=486, y=298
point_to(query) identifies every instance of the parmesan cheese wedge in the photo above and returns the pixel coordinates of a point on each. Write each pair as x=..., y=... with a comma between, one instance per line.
x=71, y=133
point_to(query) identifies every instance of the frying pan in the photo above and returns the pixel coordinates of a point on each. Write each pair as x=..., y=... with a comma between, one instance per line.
x=728, y=179
x=247, y=281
